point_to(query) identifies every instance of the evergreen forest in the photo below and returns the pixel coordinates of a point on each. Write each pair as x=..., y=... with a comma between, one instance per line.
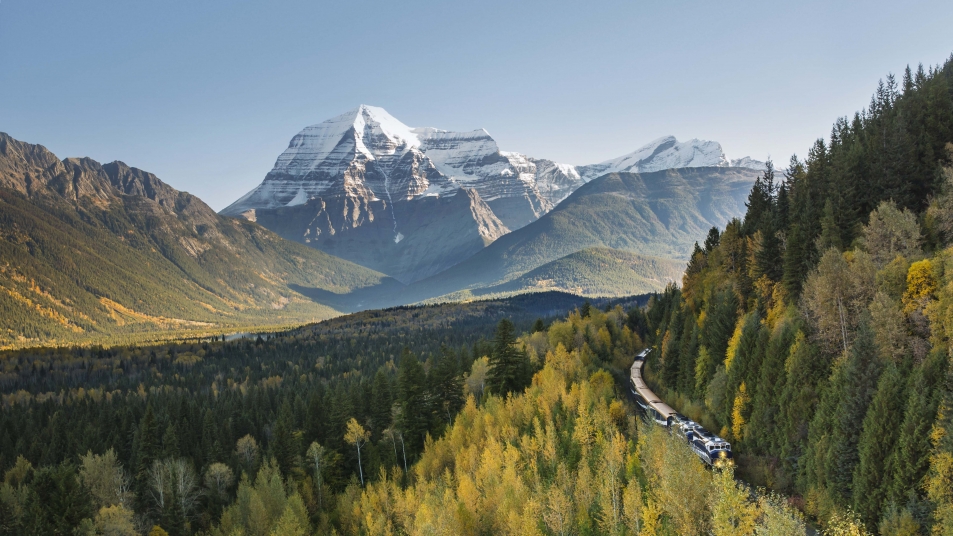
x=815, y=332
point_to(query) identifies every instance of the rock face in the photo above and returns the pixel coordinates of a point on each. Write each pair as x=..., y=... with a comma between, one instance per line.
x=409, y=240
x=366, y=187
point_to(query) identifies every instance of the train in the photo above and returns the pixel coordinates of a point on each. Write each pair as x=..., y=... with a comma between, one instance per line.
x=711, y=449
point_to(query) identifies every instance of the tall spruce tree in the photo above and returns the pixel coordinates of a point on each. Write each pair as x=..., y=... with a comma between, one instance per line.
x=509, y=367
x=913, y=444
x=447, y=385
x=413, y=401
x=805, y=373
x=765, y=407
x=147, y=452
x=861, y=375
x=876, y=443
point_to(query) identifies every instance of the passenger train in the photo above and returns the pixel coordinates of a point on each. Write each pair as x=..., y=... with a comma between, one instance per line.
x=712, y=449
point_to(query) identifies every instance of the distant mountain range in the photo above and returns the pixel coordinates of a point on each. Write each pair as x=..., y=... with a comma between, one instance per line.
x=412, y=202
x=654, y=216
x=375, y=214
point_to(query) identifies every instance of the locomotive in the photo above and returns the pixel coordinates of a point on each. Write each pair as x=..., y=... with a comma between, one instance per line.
x=710, y=448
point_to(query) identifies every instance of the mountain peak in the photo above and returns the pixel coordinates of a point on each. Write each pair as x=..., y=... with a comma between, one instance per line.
x=669, y=153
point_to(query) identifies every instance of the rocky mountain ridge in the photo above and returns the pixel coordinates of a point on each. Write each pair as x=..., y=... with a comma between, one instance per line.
x=360, y=185
x=93, y=250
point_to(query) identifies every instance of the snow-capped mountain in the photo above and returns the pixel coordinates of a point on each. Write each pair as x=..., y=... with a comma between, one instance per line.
x=667, y=153
x=362, y=185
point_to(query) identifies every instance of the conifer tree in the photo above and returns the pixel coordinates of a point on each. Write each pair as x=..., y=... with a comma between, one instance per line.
x=720, y=320
x=413, y=401
x=147, y=452
x=539, y=326
x=805, y=372
x=688, y=353
x=744, y=364
x=876, y=443
x=508, y=366
x=830, y=232
x=913, y=444
x=170, y=442
x=759, y=203
x=861, y=375
x=284, y=447
x=447, y=385
x=764, y=406
x=938, y=484
x=383, y=401
x=712, y=240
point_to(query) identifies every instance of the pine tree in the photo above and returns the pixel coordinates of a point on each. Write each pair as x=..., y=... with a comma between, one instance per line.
x=765, y=401
x=805, y=372
x=830, y=232
x=412, y=399
x=447, y=385
x=913, y=444
x=712, y=240
x=383, y=401
x=876, y=445
x=147, y=452
x=671, y=344
x=170, y=442
x=688, y=353
x=720, y=319
x=508, y=365
x=58, y=502
x=284, y=446
x=759, y=203
x=539, y=326
x=861, y=374
x=740, y=368
x=585, y=311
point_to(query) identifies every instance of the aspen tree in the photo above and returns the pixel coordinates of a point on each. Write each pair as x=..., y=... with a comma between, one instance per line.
x=356, y=435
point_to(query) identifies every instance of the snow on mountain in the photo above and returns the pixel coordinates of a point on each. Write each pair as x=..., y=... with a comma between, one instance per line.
x=663, y=153
x=368, y=152
x=748, y=162
x=364, y=181
x=357, y=153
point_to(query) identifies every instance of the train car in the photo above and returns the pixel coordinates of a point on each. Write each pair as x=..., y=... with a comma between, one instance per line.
x=658, y=411
x=712, y=449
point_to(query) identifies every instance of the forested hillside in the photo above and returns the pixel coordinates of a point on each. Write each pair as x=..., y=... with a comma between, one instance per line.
x=433, y=420
x=92, y=252
x=590, y=272
x=815, y=332
x=196, y=401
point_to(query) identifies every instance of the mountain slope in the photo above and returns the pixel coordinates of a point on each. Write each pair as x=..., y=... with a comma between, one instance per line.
x=363, y=186
x=92, y=250
x=589, y=272
x=659, y=214
x=409, y=241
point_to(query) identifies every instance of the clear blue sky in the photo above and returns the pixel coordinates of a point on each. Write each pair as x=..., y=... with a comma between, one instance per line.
x=207, y=93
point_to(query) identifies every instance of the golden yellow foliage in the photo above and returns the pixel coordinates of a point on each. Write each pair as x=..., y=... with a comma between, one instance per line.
x=737, y=412
x=733, y=342
x=921, y=285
